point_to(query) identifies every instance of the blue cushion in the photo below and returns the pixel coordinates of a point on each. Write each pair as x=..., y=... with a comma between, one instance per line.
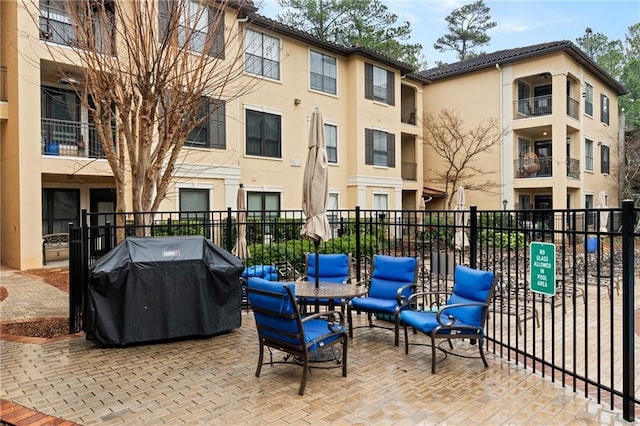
x=389, y=274
x=374, y=304
x=279, y=303
x=317, y=333
x=426, y=322
x=333, y=267
x=470, y=286
x=262, y=271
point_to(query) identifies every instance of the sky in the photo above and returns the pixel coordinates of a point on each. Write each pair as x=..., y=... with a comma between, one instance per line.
x=520, y=22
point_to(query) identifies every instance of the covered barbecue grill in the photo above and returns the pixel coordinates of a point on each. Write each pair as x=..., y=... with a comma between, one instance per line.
x=161, y=288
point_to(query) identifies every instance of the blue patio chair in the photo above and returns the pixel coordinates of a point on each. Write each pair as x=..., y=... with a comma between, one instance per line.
x=332, y=268
x=462, y=316
x=392, y=281
x=280, y=326
x=268, y=272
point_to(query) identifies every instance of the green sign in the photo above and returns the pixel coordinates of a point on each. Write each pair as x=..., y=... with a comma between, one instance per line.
x=543, y=268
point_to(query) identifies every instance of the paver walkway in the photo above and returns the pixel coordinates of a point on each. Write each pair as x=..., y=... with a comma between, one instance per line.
x=212, y=381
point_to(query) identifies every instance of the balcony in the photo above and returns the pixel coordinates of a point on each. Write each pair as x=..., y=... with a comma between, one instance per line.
x=408, y=115
x=573, y=107
x=57, y=27
x=573, y=168
x=70, y=139
x=532, y=107
x=409, y=171
x=527, y=168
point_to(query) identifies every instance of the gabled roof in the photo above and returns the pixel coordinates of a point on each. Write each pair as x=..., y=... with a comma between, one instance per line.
x=518, y=54
x=289, y=31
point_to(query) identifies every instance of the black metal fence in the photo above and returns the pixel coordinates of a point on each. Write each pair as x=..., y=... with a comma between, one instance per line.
x=581, y=336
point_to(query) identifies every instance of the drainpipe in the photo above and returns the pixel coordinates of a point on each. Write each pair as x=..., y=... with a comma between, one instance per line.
x=502, y=165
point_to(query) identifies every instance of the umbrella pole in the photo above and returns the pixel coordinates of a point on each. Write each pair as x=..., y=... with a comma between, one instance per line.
x=316, y=243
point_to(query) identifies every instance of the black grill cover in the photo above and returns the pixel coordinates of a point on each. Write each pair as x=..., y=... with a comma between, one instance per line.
x=149, y=289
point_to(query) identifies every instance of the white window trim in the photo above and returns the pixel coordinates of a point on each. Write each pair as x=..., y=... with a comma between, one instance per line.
x=194, y=185
x=332, y=123
x=373, y=197
x=593, y=106
x=259, y=76
x=320, y=92
x=593, y=154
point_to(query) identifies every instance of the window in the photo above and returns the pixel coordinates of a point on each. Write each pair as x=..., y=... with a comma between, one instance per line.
x=323, y=72
x=588, y=99
x=524, y=93
x=588, y=155
x=379, y=148
x=379, y=84
x=198, y=28
x=604, y=159
x=264, y=206
x=604, y=109
x=263, y=134
x=59, y=207
x=194, y=203
x=332, y=210
x=381, y=203
x=60, y=112
x=262, y=55
x=210, y=132
x=331, y=139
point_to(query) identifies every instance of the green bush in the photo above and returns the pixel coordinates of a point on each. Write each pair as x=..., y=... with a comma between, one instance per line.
x=438, y=231
x=502, y=239
x=163, y=228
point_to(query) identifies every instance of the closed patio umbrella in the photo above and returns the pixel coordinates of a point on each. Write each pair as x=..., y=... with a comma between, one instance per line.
x=604, y=215
x=241, y=250
x=460, y=239
x=315, y=186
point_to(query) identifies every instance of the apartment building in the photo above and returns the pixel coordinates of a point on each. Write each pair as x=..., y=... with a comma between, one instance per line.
x=559, y=114
x=556, y=104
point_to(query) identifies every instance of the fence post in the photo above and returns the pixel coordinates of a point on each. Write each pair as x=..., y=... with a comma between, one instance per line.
x=228, y=230
x=358, y=250
x=628, y=329
x=108, y=239
x=473, y=237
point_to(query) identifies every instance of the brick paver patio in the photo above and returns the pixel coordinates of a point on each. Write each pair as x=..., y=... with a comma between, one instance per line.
x=212, y=381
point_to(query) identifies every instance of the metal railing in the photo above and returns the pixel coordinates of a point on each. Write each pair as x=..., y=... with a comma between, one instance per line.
x=408, y=114
x=582, y=336
x=573, y=168
x=528, y=168
x=409, y=171
x=3, y=84
x=573, y=107
x=532, y=107
x=70, y=138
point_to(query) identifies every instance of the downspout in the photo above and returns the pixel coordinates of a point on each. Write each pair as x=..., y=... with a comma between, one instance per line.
x=502, y=165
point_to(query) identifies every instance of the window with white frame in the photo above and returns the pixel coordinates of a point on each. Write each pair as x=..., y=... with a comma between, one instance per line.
x=588, y=155
x=604, y=108
x=379, y=84
x=262, y=54
x=588, y=204
x=194, y=203
x=323, y=72
x=199, y=27
x=332, y=210
x=210, y=130
x=588, y=99
x=381, y=203
x=263, y=132
x=379, y=148
x=331, y=139
x=264, y=206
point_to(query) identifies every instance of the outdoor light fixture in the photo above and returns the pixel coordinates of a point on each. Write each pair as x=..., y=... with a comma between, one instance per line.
x=297, y=101
x=504, y=204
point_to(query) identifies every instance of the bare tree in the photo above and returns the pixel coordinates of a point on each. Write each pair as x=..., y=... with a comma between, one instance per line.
x=459, y=149
x=151, y=72
x=630, y=169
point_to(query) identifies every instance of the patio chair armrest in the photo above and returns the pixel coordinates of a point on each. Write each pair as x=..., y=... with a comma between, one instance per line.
x=451, y=318
x=425, y=294
x=302, y=278
x=399, y=297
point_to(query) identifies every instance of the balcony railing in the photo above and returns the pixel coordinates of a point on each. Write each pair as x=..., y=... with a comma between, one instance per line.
x=573, y=168
x=573, y=107
x=409, y=171
x=408, y=114
x=56, y=27
x=526, y=168
x=533, y=107
x=70, y=139
x=3, y=84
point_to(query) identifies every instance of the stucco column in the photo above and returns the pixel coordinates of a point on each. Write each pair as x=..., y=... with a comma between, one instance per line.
x=559, y=138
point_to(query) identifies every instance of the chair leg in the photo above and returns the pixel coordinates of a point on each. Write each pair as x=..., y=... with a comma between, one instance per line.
x=397, y=330
x=260, y=359
x=345, y=344
x=350, y=321
x=305, y=366
x=433, y=355
x=406, y=339
x=484, y=360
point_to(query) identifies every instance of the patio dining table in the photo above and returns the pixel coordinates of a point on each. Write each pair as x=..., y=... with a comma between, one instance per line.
x=329, y=290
